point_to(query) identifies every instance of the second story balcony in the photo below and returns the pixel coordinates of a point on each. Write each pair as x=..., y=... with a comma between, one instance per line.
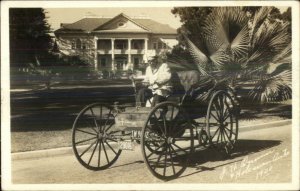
x=121, y=51
x=121, y=46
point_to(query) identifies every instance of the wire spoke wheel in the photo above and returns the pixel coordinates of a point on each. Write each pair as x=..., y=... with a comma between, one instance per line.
x=167, y=141
x=222, y=122
x=94, y=139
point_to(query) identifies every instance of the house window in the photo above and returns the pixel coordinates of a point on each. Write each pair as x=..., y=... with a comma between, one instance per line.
x=78, y=44
x=155, y=45
x=83, y=45
x=103, y=62
x=104, y=44
x=135, y=45
x=120, y=45
x=73, y=46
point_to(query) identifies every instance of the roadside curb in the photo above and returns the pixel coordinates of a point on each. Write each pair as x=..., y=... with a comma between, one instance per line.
x=265, y=125
x=41, y=153
x=68, y=150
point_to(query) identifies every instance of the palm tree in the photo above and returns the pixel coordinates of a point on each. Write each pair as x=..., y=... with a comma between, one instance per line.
x=240, y=50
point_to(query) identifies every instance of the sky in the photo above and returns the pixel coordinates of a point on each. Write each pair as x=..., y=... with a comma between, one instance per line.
x=70, y=15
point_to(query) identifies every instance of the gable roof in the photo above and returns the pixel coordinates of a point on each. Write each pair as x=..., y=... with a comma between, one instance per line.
x=91, y=24
x=125, y=16
x=156, y=27
x=86, y=24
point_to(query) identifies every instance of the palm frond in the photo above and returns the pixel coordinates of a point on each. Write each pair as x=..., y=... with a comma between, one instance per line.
x=226, y=27
x=273, y=88
x=215, y=31
x=284, y=58
x=258, y=20
x=281, y=37
x=237, y=15
x=177, y=63
x=208, y=86
x=221, y=57
x=240, y=44
x=256, y=52
x=268, y=43
x=199, y=57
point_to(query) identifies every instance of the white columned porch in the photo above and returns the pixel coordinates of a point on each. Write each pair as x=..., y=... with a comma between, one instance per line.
x=96, y=53
x=146, y=50
x=129, y=63
x=113, y=54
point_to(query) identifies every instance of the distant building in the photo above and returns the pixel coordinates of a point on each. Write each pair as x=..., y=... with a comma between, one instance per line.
x=119, y=43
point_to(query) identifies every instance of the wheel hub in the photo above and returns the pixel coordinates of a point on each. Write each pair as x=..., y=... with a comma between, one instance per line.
x=223, y=125
x=170, y=140
x=102, y=136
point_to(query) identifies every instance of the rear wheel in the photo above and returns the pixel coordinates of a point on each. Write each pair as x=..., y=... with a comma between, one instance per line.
x=222, y=122
x=94, y=138
x=167, y=141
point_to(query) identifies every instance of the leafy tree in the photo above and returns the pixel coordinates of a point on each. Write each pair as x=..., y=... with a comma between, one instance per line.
x=287, y=15
x=192, y=19
x=240, y=49
x=252, y=10
x=29, y=35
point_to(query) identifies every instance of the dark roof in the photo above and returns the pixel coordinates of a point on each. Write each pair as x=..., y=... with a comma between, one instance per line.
x=155, y=27
x=90, y=24
x=86, y=24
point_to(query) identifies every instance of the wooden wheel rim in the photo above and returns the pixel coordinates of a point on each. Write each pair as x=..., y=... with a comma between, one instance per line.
x=172, y=159
x=103, y=152
x=227, y=135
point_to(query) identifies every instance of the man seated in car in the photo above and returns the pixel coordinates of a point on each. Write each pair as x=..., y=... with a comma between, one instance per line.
x=157, y=83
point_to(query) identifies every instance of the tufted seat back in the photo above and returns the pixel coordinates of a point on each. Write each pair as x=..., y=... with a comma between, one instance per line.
x=184, y=80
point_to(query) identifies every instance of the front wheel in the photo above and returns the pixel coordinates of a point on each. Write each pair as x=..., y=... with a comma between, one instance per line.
x=222, y=122
x=94, y=138
x=167, y=141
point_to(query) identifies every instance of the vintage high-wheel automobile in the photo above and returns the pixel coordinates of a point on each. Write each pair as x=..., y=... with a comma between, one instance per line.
x=166, y=132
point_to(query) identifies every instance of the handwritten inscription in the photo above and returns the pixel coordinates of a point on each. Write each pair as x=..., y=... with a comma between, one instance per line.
x=261, y=165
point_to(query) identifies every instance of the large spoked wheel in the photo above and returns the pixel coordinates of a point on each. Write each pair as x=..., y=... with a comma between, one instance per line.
x=222, y=122
x=94, y=138
x=167, y=141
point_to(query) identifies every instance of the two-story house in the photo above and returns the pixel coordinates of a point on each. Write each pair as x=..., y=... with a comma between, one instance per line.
x=118, y=43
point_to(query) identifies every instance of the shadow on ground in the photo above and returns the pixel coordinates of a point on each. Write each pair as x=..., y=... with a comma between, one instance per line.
x=252, y=112
x=243, y=147
x=200, y=157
